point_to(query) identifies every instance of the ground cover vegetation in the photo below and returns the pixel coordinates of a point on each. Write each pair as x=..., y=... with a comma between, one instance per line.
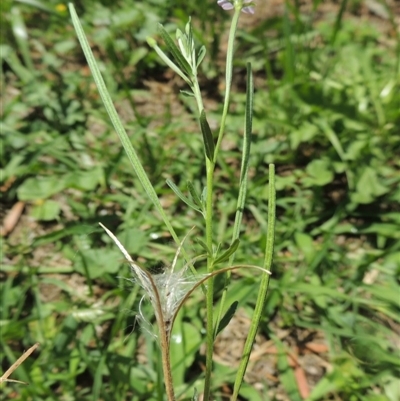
x=326, y=113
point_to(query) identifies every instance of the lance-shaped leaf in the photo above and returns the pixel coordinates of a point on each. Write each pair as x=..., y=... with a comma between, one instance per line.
x=182, y=196
x=152, y=43
x=195, y=397
x=200, y=55
x=117, y=123
x=209, y=145
x=186, y=93
x=204, y=246
x=262, y=293
x=243, y=176
x=193, y=193
x=227, y=317
x=230, y=251
x=176, y=52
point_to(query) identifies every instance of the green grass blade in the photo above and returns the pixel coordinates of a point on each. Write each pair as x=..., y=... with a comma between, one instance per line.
x=290, y=63
x=338, y=21
x=116, y=121
x=286, y=373
x=21, y=36
x=263, y=287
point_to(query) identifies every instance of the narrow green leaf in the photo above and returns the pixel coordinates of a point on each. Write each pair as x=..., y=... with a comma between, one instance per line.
x=41, y=6
x=195, y=397
x=10, y=56
x=207, y=136
x=187, y=93
x=262, y=293
x=204, y=246
x=286, y=373
x=21, y=36
x=182, y=196
x=230, y=251
x=193, y=193
x=175, y=51
x=335, y=142
x=98, y=377
x=243, y=175
x=200, y=55
x=248, y=126
x=227, y=317
x=204, y=196
x=190, y=41
x=189, y=30
x=116, y=121
x=152, y=43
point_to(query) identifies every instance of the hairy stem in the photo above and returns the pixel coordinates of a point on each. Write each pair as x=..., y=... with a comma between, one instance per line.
x=228, y=79
x=166, y=364
x=210, y=286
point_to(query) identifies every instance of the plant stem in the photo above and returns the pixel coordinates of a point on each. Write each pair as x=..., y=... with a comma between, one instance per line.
x=210, y=165
x=166, y=365
x=228, y=79
x=210, y=286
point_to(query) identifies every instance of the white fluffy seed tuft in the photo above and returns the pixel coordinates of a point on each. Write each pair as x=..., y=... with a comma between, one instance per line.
x=165, y=291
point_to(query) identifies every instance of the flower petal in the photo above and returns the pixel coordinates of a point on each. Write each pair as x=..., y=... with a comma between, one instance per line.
x=225, y=4
x=248, y=10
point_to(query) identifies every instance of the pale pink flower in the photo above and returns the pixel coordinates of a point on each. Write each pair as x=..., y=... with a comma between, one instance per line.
x=228, y=5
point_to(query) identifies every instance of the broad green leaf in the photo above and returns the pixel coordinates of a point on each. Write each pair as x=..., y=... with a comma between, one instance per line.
x=36, y=188
x=96, y=262
x=46, y=211
x=319, y=173
x=369, y=187
x=86, y=180
x=134, y=239
x=306, y=132
x=306, y=245
x=185, y=342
